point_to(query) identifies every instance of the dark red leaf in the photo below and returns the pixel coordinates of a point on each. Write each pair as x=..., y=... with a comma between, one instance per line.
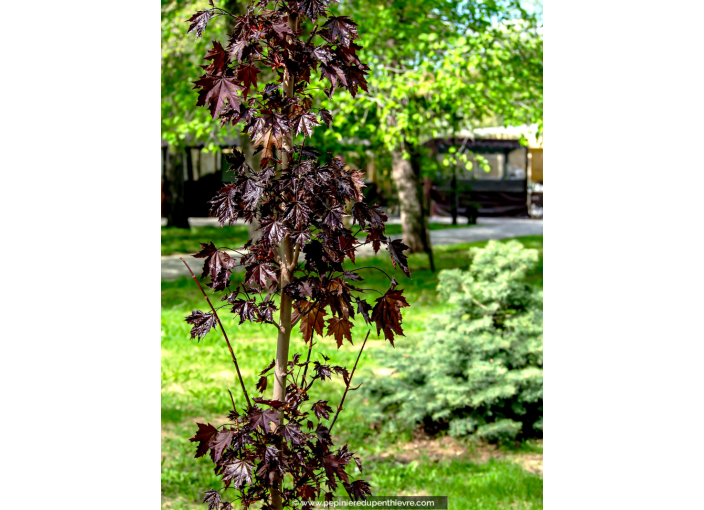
x=258, y=274
x=312, y=8
x=261, y=385
x=312, y=321
x=341, y=329
x=333, y=217
x=343, y=372
x=396, y=248
x=334, y=466
x=248, y=75
x=304, y=123
x=218, y=57
x=262, y=418
x=306, y=492
x=266, y=310
x=199, y=21
x=297, y=213
x=325, y=116
x=247, y=310
x=274, y=230
x=355, y=78
x=282, y=29
x=340, y=28
x=322, y=409
x=358, y=490
x=386, y=313
x=364, y=308
x=204, y=435
x=213, y=498
x=237, y=49
x=216, y=262
x=239, y=472
x=291, y=432
x=220, y=442
x=322, y=371
x=323, y=434
x=269, y=367
x=322, y=54
x=376, y=237
x=202, y=322
x=224, y=205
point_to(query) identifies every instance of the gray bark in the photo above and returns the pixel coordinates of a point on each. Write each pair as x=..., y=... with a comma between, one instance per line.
x=405, y=173
x=410, y=205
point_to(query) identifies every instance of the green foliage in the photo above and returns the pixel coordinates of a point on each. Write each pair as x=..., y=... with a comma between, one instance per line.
x=479, y=370
x=180, y=60
x=443, y=66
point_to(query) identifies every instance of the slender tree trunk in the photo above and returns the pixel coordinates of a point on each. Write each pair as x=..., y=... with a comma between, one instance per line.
x=410, y=196
x=424, y=206
x=287, y=265
x=409, y=201
x=177, y=215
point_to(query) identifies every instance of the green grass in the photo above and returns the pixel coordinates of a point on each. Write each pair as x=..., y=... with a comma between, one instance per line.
x=178, y=240
x=467, y=485
x=195, y=376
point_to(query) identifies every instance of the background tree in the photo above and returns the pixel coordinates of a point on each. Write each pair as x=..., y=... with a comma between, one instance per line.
x=440, y=66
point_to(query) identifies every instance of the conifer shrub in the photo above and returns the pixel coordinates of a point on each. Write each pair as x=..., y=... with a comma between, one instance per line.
x=479, y=370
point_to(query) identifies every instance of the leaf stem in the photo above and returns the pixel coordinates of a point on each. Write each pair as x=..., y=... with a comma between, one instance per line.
x=370, y=267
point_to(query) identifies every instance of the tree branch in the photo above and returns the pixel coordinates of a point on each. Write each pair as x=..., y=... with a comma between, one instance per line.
x=347, y=387
x=232, y=353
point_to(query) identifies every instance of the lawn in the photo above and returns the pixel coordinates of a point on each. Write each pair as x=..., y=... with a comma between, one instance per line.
x=196, y=375
x=178, y=240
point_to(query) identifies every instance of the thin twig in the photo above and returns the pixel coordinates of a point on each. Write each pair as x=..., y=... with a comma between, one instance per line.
x=234, y=408
x=305, y=369
x=480, y=305
x=374, y=290
x=349, y=382
x=369, y=267
x=232, y=353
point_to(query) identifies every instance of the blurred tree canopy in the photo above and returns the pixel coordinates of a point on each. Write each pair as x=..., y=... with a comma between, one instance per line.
x=437, y=67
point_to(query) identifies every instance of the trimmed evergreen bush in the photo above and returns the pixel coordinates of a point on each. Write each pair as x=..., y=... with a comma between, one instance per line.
x=479, y=370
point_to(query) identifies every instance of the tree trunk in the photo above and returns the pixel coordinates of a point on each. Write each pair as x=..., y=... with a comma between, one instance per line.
x=409, y=201
x=287, y=265
x=410, y=196
x=176, y=210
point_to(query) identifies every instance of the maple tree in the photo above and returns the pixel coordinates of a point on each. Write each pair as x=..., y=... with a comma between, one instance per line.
x=299, y=203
